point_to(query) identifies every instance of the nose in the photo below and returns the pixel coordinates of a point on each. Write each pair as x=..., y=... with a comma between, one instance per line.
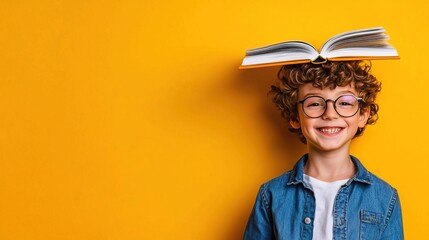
x=330, y=112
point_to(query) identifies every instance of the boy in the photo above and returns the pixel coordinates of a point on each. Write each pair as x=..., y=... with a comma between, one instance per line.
x=328, y=194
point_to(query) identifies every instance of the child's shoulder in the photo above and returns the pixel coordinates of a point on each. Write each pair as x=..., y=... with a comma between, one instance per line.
x=281, y=185
x=288, y=178
x=280, y=181
x=370, y=179
x=291, y=179
x=380, y=185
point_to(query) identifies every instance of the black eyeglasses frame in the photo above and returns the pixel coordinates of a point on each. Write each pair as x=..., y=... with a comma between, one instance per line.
x=359, y=99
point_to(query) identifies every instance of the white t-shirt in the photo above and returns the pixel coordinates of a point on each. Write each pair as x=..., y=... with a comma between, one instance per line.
x=324, y=193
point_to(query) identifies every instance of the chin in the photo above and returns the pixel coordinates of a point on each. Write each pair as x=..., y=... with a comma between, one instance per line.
x=329, y=147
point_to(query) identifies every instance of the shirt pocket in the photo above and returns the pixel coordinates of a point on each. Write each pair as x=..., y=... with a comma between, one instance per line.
x=370, y=225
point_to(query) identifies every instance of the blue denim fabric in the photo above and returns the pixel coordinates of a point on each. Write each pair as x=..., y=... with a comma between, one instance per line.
x=365, y=207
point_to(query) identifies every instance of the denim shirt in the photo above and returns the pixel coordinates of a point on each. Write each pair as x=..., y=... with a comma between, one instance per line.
x=365, y=207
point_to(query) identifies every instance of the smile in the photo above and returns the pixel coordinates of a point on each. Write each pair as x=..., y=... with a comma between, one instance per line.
x=330, y=130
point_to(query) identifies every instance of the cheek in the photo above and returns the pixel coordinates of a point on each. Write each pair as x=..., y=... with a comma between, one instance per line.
x=306, y=125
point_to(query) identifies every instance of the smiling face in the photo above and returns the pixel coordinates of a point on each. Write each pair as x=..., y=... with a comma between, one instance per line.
x=329, y=132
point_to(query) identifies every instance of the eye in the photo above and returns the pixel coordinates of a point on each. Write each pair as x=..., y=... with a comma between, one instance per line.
x=346, y=101
x=313, y=104
x=345, y=104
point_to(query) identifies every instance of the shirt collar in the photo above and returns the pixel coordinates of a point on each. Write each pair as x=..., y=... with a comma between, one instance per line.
x=297, y=173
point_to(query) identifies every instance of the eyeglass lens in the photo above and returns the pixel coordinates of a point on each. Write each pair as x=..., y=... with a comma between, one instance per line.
x=345, y=106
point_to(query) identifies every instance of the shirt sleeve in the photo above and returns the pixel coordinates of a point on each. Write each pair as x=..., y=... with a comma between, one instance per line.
x=394, y=229
x=259, y=225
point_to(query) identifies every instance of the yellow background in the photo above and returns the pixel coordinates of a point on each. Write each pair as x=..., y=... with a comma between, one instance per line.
x=130, y=119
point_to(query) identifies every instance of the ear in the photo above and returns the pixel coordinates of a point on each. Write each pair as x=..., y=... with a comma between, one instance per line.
x=295, y=123
x=363, y=118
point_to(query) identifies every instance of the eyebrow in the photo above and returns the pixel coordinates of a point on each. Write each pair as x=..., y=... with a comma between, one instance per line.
x=339, y=94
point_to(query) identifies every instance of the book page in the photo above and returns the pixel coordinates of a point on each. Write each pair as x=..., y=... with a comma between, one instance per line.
x=350, y=35
x=363, y=52
x=290, y=46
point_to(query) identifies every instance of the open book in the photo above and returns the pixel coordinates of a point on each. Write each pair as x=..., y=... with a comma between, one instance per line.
x=370, y=43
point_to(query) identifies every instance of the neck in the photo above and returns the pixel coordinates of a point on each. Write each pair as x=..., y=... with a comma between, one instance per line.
x=329, y=166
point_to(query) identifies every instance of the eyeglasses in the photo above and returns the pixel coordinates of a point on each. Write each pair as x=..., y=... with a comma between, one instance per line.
x=345, y=105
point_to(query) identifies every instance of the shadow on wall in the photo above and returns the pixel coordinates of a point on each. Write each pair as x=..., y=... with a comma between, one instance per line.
x=284, y=147
x=281, y=141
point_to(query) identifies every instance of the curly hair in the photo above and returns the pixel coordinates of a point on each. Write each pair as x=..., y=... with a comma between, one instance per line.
x=331, y=75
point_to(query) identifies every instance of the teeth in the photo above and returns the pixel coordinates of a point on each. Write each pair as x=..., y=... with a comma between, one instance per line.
x=330, y=130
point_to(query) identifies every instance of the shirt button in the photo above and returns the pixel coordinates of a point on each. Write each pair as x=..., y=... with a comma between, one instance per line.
x=307, y=220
